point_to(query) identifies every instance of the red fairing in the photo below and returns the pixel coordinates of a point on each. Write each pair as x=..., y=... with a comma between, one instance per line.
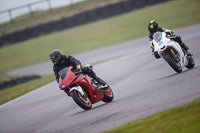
x=82, y=90
x=94, y=94
x=84, y=81
x=68, y=80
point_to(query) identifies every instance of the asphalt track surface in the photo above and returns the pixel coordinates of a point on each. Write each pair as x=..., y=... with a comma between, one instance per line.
x=142, y=86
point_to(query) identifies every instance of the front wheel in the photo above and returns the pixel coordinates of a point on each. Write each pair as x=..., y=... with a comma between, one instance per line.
x=173, y=63
x=82, y=101
x=108, y=95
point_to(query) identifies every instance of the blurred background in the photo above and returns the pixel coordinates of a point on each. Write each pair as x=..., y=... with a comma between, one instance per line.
x=10, y=11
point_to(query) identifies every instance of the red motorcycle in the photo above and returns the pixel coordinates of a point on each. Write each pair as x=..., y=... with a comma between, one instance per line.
x=84, y=90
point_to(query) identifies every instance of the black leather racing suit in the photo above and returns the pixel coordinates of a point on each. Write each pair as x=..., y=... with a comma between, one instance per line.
x=68, y=60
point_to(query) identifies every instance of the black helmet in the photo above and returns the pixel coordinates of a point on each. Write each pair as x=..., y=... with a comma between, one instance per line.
x=153, y=26
x=55, y=56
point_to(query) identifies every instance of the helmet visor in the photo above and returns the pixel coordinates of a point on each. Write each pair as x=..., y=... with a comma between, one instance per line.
x=56, y=59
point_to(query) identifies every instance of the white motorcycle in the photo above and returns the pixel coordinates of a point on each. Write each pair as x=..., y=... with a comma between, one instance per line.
x=171, y=52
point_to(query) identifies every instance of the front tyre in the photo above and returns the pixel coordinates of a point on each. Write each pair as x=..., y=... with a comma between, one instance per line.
x=172, y=62
x=82, y=101
x=108, y=95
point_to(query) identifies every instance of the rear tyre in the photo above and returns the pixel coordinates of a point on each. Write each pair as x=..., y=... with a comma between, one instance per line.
x=108, y=95
x=82, y=101
x=191, y=63
x=172, y=62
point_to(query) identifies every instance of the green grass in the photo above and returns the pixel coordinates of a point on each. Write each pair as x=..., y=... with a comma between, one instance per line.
x=5, y=76
x=181, y=119
x=101, y=33
x=18, y=90
x=39, y=17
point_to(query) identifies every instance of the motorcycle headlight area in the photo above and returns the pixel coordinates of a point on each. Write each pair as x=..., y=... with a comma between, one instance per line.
x=63, y=86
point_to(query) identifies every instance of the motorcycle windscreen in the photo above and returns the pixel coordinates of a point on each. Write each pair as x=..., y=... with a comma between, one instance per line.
x=157, y=36
x=62, y=72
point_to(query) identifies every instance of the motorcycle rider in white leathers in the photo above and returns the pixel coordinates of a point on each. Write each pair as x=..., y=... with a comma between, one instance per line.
x=153, y=27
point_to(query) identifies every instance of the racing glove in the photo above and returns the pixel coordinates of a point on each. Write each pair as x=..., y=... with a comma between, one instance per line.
x=78, y=69
x=156, y=55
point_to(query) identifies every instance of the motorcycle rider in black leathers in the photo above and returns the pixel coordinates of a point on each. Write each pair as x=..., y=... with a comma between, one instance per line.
x=61, y=61
x=153, y=27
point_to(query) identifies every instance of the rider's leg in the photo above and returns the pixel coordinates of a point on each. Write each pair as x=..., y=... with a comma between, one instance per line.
x=90, y=72
x=182, y=44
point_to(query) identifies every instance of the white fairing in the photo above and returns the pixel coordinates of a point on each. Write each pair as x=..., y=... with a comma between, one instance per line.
x=161, y=42
x=78, y=88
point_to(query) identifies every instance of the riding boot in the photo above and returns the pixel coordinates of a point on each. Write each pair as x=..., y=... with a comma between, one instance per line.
x=100, y=81
x=186, y=48
x=178, y=40
x=93, y=75
x=103, y=84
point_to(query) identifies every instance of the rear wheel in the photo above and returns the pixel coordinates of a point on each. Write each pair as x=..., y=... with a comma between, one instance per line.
x=82, y=101
x=173, y=63
x=108, y=95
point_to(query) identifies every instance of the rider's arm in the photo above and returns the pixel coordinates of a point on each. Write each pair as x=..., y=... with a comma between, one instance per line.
x=151, y=44
x=56, y=74
x=73, y=61
x=152, y=47
x=151, y=41
x=168, y=32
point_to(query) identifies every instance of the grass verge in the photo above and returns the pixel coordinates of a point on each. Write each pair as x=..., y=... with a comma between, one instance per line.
x=181, y=119
x=18, y=90
x=39, y=17
x=101, y=33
